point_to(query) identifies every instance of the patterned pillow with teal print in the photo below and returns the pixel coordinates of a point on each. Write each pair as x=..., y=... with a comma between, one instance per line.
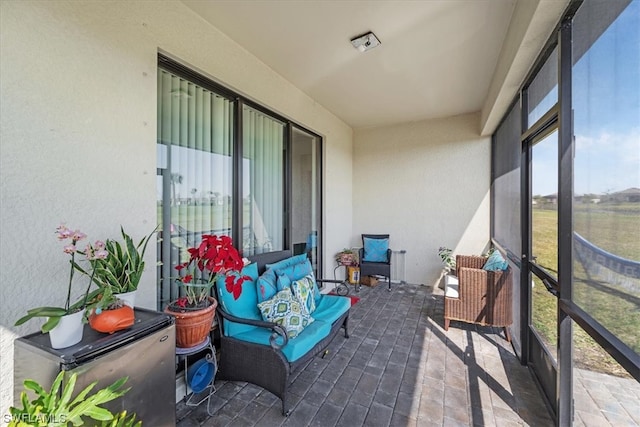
x=266, y=285
x=285, y=310
x=375, y=250
x=291, y=273
x=303, y=290
x=495, y=262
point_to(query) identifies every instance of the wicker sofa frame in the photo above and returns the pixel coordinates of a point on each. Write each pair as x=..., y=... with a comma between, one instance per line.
x=485, y=297
x=263, y=365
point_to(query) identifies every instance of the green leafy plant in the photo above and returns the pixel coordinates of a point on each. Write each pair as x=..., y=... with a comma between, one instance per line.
x=123, y=266
x=102, y=300
x=122, y=420
x=446, y=255
x=53, y=410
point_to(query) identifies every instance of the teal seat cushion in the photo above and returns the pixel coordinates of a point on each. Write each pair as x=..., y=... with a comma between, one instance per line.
x=375, y=250
x=296, y=347
x=331, y=307
x=246, y=306
x=495, y=262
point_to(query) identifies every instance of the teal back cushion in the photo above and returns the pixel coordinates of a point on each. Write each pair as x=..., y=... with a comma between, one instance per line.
x=297, y=259
x=495, y=262
x=267, y=285
x=291, y=273
x=246, y=306
x=375, y=250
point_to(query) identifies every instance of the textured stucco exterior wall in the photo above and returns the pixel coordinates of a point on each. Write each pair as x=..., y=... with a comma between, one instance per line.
x=78, y=137
x=427, y=185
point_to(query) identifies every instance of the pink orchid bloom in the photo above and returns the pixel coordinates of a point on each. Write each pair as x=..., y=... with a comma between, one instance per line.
x=63, y=232
x=78, y=235
x=100, y=254
x=69, y=249
x=99, y=244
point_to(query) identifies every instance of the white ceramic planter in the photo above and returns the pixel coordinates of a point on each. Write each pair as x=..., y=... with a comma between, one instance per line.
x=68, y=332
x=129, y=298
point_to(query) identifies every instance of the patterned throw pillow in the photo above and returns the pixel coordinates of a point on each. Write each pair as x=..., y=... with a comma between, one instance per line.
x=375, y=250
x=285, y=310
x=495, y=262
x=303, y=290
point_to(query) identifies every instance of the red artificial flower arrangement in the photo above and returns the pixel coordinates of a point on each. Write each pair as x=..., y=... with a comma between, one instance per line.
x=214, y=257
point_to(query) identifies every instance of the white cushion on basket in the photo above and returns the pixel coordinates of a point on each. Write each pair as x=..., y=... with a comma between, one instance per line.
x=451, y=287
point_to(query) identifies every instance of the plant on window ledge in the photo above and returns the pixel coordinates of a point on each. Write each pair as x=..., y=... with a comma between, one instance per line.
x=446, y=255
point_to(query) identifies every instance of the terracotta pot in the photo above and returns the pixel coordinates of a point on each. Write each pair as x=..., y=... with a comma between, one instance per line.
x=110, y=321
x=193, y=326
x=347, y=259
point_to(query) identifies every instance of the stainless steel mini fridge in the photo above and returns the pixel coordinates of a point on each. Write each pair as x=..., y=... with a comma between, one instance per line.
x=145, y=353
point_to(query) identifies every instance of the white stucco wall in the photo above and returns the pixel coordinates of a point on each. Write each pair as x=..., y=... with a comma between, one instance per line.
x=427, y=185
x=78, y=136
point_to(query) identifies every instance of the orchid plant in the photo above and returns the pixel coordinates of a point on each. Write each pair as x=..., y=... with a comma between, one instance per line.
x=214, y=257
x=91, y=253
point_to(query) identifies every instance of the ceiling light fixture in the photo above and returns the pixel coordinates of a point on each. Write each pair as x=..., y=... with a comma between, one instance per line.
x=365, y=42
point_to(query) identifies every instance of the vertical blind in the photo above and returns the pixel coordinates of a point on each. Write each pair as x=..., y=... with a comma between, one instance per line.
x=195, y=146
x=263, y=176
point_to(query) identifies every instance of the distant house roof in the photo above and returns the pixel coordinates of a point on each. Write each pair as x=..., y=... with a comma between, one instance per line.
x=629, y=191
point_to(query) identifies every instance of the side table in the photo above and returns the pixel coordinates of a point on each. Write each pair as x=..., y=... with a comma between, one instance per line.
x=203, y=373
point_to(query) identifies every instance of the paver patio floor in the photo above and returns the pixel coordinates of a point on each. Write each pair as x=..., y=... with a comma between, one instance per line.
x=398, y=368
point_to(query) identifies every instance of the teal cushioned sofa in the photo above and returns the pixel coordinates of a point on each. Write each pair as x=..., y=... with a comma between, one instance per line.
x=260, y=352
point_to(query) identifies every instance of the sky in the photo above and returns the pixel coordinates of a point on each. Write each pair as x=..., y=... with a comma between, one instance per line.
x=606, y=104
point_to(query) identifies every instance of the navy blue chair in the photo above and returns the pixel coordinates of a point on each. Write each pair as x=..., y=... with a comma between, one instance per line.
x=375, y=256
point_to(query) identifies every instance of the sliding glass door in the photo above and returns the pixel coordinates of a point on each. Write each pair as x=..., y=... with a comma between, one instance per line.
x=305, y=194
x=195, y=194
x=229, y=166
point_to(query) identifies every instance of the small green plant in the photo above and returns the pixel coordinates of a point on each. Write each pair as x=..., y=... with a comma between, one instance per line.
x=446, y=255
x=122, y=420
x=53, y=410
x=123, y=266
x=101, y=301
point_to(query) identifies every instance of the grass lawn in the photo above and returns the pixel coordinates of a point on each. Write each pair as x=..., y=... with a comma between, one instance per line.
x=616, y=229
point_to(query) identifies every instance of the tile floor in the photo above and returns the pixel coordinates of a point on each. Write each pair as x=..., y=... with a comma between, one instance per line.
x=398, y=368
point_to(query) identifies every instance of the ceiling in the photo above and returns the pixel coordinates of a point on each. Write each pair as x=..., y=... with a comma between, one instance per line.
x=437, y=57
